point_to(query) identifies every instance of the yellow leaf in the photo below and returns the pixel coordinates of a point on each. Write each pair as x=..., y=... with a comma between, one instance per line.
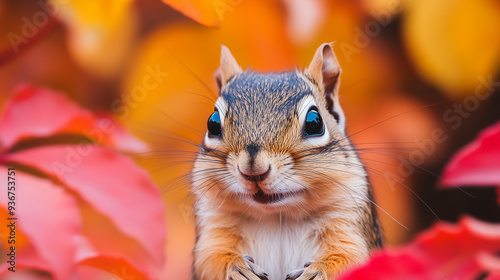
x=454, y=43
x=100, y=32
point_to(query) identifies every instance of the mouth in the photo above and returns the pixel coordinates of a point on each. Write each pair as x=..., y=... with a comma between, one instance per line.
x=264, y=198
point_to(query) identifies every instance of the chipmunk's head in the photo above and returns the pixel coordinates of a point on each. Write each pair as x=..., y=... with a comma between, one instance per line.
x=276, y=141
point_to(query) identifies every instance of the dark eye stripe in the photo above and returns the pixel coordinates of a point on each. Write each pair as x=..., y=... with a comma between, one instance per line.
x=214, y=125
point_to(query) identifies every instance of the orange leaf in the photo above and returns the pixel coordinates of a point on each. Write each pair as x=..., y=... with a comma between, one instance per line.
x=207, y=12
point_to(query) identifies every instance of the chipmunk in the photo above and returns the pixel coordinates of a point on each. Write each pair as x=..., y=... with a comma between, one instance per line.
x=280, y=190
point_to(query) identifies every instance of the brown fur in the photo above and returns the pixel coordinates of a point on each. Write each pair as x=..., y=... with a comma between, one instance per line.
x=329, y=216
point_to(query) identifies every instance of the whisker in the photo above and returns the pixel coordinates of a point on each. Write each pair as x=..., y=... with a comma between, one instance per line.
x=393, y=117
x=192, y=73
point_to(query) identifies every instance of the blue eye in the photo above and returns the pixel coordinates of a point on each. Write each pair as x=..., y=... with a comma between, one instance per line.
x=213, y=125
x=313, y=125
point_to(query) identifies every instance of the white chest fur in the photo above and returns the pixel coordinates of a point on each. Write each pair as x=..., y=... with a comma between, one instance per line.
x=280, y=247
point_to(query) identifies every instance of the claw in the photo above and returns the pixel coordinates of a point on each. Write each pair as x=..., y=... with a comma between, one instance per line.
x=245, y=268
x=249, y=258
x=294, y=274
x=309, y=272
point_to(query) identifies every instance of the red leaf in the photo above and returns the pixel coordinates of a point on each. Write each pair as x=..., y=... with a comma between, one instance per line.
x=30, y=266
x=111, y=183
x=93, y=268
x=115, y=135
x=478, y=163
x=493, y=276
x=49, y=216
x=103, y=243
x=446, y=251
x=390, y=265
x=38, y=112
x=123, y=266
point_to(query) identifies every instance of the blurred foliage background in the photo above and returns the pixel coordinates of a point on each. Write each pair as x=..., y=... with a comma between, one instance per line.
x=420, y=79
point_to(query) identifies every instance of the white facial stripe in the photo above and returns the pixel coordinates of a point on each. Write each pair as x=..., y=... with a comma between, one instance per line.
x=212, y=142
x=303, y=108
x=318, y=140
x=221, y=106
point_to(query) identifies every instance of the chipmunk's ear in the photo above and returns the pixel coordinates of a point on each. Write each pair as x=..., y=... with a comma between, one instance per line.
x=228, y=67
x=325, y=70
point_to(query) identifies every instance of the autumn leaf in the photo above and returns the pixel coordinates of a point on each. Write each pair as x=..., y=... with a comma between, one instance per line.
x=100, y=33
x=453, y=43
x=77, y=171
x=207, y=12
x=45, y=205
x=38, y=112
x=304, y=17
x=446, y=251
x=493, y=276
x=105, y=208
x=478, y=163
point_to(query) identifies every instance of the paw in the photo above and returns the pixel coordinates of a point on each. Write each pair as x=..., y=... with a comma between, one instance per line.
x=311, y=271
x=244, y=268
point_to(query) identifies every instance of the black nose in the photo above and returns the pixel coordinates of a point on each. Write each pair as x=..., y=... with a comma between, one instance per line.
x=256, y=177
x=253, y=150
